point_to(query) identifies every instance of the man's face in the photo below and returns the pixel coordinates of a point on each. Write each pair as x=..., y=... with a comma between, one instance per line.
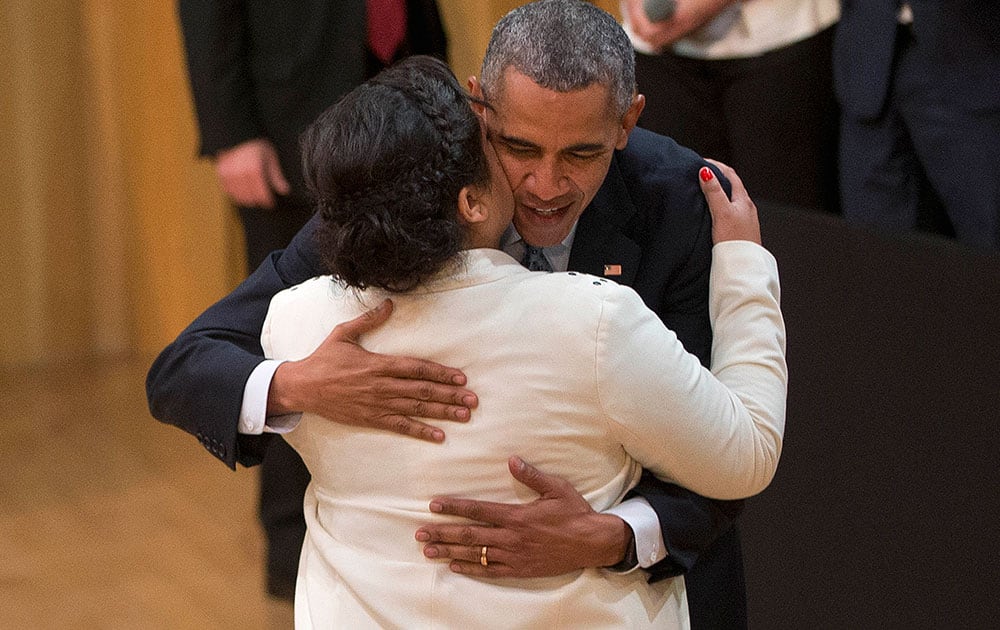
x=555, y=148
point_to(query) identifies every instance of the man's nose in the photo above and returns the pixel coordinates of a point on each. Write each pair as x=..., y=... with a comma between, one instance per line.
x=549, y=180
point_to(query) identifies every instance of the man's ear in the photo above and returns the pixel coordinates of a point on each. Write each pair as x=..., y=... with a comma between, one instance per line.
x=476, y=91
x=475, y=87
x=630, y=119
x=470, y=209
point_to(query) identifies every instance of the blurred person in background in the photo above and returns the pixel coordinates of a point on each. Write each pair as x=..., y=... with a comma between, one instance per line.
x=919, y=87
x=748, y=83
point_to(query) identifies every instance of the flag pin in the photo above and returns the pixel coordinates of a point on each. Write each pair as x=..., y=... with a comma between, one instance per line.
x=612, y=270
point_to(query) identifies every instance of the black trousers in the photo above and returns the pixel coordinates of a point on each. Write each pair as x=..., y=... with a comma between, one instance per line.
x=773, y=118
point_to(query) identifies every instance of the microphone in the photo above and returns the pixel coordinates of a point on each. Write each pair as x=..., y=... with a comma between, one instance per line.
x=659, y=10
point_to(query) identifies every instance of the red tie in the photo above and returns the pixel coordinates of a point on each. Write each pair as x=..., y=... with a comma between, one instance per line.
x=386, y=27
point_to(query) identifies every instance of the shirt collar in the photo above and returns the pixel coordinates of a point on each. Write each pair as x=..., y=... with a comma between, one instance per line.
x=511, y=238
x=557, y=255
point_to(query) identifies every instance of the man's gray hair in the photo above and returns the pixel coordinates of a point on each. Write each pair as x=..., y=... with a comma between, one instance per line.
x=562, y=45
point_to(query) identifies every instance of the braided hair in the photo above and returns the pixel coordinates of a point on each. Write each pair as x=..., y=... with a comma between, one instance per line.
x=385, y=165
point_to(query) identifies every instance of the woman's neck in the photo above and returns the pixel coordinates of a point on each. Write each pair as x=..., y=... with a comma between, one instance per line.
x=481, y=241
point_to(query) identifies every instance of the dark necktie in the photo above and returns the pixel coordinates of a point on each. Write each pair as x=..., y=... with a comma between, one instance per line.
x=386, y=27
x=534, y=259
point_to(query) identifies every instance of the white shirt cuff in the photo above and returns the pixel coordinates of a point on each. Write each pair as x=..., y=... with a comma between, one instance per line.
x=253, y=411
x=645, y=524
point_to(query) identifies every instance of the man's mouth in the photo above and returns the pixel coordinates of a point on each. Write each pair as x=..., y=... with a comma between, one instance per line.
x=547, y=212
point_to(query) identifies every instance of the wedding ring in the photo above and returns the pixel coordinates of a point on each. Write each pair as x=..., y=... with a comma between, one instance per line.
x=482, y=557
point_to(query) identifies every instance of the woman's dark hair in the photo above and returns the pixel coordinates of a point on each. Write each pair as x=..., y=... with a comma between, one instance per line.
x=385, y=165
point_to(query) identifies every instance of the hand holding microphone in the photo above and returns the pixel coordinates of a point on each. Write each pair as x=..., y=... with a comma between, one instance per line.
x=704, y=21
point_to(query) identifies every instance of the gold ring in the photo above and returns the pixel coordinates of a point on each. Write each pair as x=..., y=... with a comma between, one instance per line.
x=482, y=557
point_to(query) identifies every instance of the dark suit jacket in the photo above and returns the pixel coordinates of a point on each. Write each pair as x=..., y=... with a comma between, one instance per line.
x=267, y=69
x=960, y=40
x=649, y=217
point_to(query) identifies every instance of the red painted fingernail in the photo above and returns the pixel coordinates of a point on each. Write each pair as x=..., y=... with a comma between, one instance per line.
x=705, y=173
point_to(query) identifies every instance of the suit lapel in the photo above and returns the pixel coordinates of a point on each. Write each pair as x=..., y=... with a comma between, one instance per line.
x=600, y=247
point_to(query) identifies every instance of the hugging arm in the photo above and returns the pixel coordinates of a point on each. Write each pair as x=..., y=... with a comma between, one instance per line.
x=197, y=382
x=690, y=522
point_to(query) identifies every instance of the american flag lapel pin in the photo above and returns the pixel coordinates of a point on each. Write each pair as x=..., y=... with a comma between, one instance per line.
x=612, y=270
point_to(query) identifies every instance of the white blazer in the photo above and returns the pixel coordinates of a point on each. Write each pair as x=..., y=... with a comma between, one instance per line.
x=575, y=375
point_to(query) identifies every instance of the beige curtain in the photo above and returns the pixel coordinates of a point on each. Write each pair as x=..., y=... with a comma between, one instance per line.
x=113, y=235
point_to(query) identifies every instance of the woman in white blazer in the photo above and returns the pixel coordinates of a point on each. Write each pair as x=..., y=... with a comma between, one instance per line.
x=573, y=373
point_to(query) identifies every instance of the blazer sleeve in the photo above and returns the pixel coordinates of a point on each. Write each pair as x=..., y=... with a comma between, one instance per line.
x=718, y=433
x=217, y=43
x=678, y=246
x=197, y=382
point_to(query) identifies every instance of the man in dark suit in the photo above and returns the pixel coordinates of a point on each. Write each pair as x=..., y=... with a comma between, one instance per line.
x=260, y=72
x=597, y=196
x=920, y=94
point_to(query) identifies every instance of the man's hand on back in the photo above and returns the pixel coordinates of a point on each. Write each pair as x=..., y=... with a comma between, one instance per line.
x=345, y=383
x=555, y=534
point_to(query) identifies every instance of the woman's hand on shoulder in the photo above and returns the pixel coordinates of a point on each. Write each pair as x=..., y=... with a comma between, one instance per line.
x=733, y=219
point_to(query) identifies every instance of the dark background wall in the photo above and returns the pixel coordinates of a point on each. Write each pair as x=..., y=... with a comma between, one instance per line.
x=885, y=511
